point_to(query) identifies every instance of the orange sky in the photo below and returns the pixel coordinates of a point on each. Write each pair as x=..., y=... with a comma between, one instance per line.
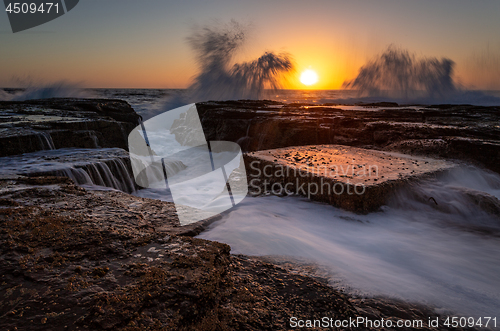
x=133, y=44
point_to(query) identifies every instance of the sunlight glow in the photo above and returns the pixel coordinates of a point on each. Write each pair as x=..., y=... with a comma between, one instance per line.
x=309, y=77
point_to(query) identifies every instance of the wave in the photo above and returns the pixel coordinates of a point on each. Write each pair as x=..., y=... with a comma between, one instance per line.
x=60, y=89
x=215, y=47
x=220, y=79
x=398, y=73
x=399, y=76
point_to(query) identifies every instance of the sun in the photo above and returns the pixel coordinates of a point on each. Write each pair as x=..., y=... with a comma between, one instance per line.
x=309, y=77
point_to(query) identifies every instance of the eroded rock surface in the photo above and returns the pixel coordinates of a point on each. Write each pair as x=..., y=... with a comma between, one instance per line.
x=73, y=259
x=33, y=125
x=464, y=132
x=350, y=178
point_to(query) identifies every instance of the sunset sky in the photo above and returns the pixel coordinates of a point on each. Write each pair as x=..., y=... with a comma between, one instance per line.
x=142, y=44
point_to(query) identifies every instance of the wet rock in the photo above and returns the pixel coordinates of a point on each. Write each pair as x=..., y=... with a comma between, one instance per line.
x=104, y=260
x=33, y=125
x=471, y=132
x=485, y=201
x=351, y=178
x=477, y=151
x=108, y=167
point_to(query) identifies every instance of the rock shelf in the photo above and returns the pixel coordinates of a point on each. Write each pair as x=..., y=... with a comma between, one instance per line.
x=351, y=178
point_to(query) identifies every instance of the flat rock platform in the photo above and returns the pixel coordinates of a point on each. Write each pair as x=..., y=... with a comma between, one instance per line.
x=351, y=178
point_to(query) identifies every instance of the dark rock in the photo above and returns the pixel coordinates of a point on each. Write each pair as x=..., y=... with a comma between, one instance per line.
x=471, y=133
x=328, y=173
x=106, y=260
x=75, y=259
x=108, y=167
x=117, y=109
x=477, y=151
x=380, y=104
x=33, y=125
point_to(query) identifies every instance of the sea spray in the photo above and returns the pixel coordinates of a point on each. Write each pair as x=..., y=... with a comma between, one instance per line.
x=397, y=73
x=215, y=47
x=60, y=89
x=399, y=76
x=5, y=96
x=221, y=79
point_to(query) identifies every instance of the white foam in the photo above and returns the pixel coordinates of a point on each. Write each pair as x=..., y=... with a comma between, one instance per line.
x=413, y=249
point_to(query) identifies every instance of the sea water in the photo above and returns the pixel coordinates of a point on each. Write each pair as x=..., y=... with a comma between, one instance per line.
x=445, y=254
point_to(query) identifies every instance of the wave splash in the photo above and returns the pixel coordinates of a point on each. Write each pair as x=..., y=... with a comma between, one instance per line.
x=399, y=76
x=218, y=80
x=221, y=79
x=60, y=89
x=397, y=73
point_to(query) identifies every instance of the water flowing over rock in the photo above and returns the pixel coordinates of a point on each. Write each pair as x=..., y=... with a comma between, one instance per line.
x=30, y=126
x=462, y=132
x=63, y=137
x=108, y=167
x=350, y=178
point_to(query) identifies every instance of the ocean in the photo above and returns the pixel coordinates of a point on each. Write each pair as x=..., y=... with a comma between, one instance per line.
x=149, y=102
